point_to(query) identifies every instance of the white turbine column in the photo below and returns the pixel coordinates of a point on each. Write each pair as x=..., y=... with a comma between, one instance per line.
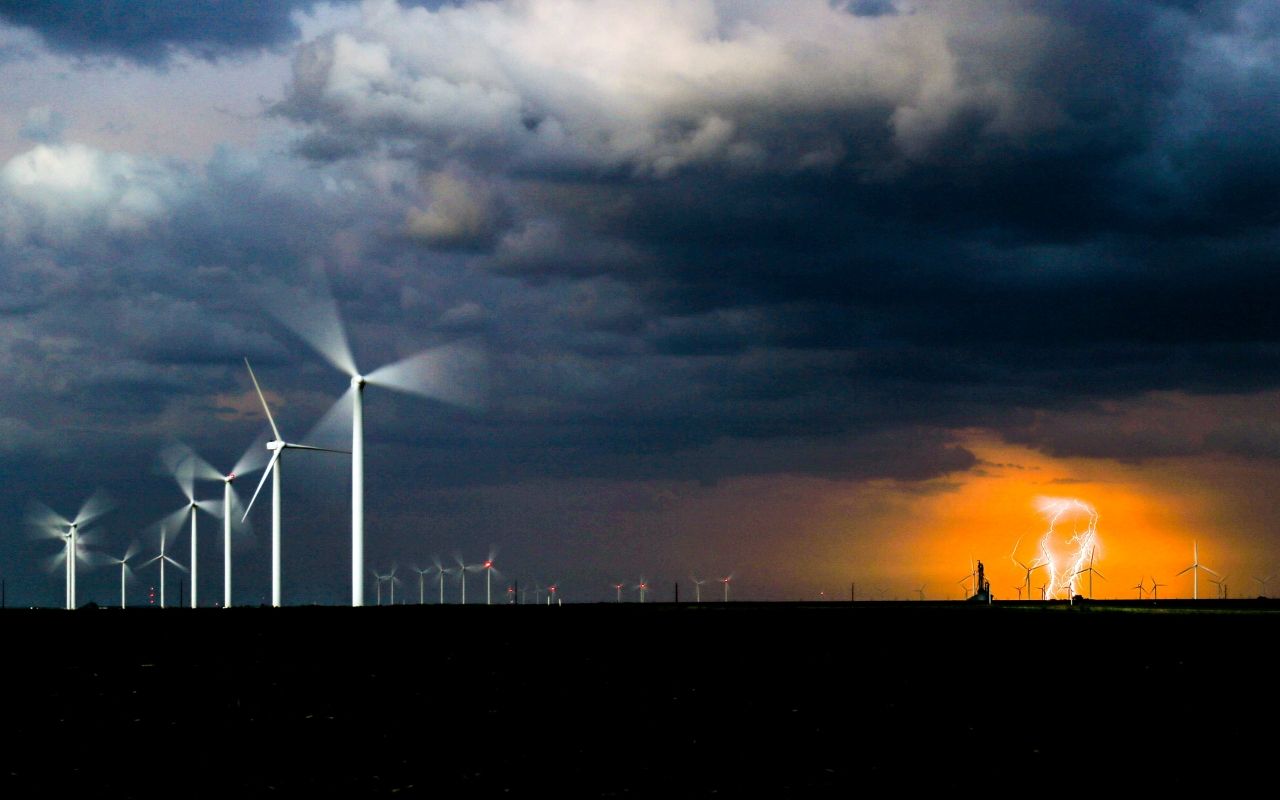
x=194, y=582
x=226, y=543
x=162, y=560
x=75, y=547
x=488, y=590
x=122, y=584
x=275, y=531
x=357, y=493
x=441, y=587
x=463, y=572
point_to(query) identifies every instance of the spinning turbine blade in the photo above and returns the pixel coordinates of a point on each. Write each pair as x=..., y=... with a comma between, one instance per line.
x=265, y=407
x=266, y=473
x=97, y=505
x=46, y=519
x=313, y=317
x=453, y=373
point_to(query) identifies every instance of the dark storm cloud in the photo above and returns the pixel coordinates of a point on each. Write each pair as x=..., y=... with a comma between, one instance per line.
x=149, y=31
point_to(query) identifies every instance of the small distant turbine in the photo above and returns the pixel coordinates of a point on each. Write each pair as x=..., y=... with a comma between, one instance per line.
x=1221, y=583
x=642, y=587
x=462, y=570
x=726, y=580
x=552, y=597
x=618, y=587
x=1155, y=588
x=1027, y=569
x=124, y=568
x=697, y=587
x=438, y=568
x=1140, y=586
x=1018, y=589
x=1043, y=588
x=162, y=558
x=489, y=571
x=391, y=579
x=422, y=574
x=920, y=591
x=1194, y=569
x=1089, y=569
x=1262, y=585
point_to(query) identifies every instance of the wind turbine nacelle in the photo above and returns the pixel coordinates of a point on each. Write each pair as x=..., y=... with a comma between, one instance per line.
x=357, y=381
x=276, y=445
x=230, y=478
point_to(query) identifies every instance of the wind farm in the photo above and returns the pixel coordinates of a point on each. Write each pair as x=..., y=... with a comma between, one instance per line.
x=684, y=398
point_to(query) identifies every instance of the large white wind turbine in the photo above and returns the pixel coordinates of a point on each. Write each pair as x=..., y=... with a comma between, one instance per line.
x=1194, y=569
x=277, y=446
x=462, y=569
x=162, y=558
x=50, y=524
x=452, y=373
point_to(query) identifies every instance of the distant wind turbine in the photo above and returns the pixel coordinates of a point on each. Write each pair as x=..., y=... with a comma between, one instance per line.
x=162, y=558
x=1221, y=583
x=618, y=587
x=1262, y=585
x=277, y=446
x=1035, y=565
x=422, y=574
x=920, y=591
x=440, y=572
x=462, y=570
x=450, y=374
x=1155, y=588
x=697, y=587
x=1089, y=569
x=1194, y=569
x=489, y=571
x=643, y=587
x=50, y=524
x=1018, y=589
x=124, y=568
x=1140, y=586
x=726, y=580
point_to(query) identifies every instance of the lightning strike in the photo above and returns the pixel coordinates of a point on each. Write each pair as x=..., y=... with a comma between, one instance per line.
x=1064, y=569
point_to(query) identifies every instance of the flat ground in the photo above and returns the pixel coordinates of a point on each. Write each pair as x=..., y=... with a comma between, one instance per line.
x=739, y=699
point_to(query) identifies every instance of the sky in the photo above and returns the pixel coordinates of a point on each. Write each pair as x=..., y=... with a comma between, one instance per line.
x=811, y=293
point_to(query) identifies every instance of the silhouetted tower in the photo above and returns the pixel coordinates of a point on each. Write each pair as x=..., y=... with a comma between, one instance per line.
x=982, y=590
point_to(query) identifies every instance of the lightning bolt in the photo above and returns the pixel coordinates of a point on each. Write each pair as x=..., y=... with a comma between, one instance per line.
x=1063, y=571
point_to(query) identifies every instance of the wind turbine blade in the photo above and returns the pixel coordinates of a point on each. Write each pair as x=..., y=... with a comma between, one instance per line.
x=253, y=459
x=1188, y=569
x=265, y=408
x=265, y=474
x=317, y=449
x=45, y=518
x=1206, y=569
x=312, y=315
x=1099, y=574
x=131, y=552
x=176, y=564
x=54, y=561
x=150, y=561
x=98, y=504
x=454, y=373
x=334, y=426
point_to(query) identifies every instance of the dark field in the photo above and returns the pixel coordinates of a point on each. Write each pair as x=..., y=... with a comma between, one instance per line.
x=749, y=700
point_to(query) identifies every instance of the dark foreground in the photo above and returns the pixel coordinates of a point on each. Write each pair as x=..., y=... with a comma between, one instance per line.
x=738, y=700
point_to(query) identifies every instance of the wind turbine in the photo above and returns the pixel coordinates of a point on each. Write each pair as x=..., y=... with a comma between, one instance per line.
x=489, y=571
x=1221, y=583
x=552, y=596
x=1262, y=585
x=1155, y=588
x=439, y=570
x=1042, y=589
x=379, y=580
x=50, y=524
x=1141, y=587
x=726, y=580
x=124, y=567
x=1194, y=569
x=697, y=587
x=643, y=587
x=462, y=570
x=1018, y=589
x=162, y=558
x=450, y=374
x=252, y=460
x=277, y=446
x=1089, y=569
x=920, y=591
x=422, y=574
x=185, y=466
x=618, y=588
x=1028, y=569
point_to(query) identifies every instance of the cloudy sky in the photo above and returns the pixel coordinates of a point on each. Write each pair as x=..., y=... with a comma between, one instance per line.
x=809, y=292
